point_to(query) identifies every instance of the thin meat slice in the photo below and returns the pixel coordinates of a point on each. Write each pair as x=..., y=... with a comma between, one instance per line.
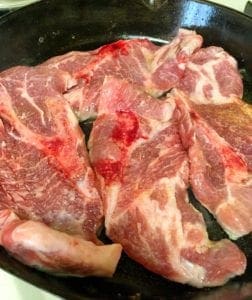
x=154, y=69
x=219, y=174
x=44, y=248
x=212, y=77
x=44, y=167
x=143, y=173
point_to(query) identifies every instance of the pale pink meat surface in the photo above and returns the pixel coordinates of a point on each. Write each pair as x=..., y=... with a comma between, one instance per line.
x=220, y=166
x=143, y=174
x=211, y=76
x=44, y=248
x=44, y=167
x=169, y=61
x=215, y=126
x=71, y=62
x=154, y=69
x=145, y=152
x=124, y=59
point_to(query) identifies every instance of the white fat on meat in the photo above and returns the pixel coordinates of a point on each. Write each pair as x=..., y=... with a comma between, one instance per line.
x=212, y=77
x=58, y=253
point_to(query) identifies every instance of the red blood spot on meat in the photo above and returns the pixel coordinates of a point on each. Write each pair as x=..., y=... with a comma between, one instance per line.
x=232, y=159
x=109, y=170
x=182, y=57
x=126, y=128
x=194, y=115
x=85, y=77
x=53, y=146
x=114, y=48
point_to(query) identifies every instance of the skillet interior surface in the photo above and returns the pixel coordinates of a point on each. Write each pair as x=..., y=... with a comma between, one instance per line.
x=48, y=28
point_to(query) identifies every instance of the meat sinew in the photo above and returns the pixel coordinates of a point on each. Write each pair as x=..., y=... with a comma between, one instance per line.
x=143, y=173
x=38, y=132
x=44, y=168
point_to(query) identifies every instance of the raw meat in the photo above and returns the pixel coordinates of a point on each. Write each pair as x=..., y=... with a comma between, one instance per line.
x=216, y=128
x=45, y=176
x=124, y=59
x=232, y=122
x=142, y=150
x=58, y=253
x=219, y=174
x=71, y=62
x=211, y=76
x=169, y=61
x=155, y=69
x=142, y=168
x=44, y=168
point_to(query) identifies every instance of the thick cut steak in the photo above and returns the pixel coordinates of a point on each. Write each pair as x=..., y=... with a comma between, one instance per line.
x=45, y=176
x=42, y=247
x=220, y=166
x=216, y=128
x=44, y=168
x=143, y=171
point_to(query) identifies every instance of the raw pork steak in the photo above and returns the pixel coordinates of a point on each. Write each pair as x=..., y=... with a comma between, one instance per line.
x=143, y=172
x=211, y=76
x=216, y=128
x=45, y=176
x=124, y=59
x=155, y=69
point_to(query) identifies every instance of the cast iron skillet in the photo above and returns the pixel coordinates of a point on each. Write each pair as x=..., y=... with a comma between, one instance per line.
x=35, y=33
